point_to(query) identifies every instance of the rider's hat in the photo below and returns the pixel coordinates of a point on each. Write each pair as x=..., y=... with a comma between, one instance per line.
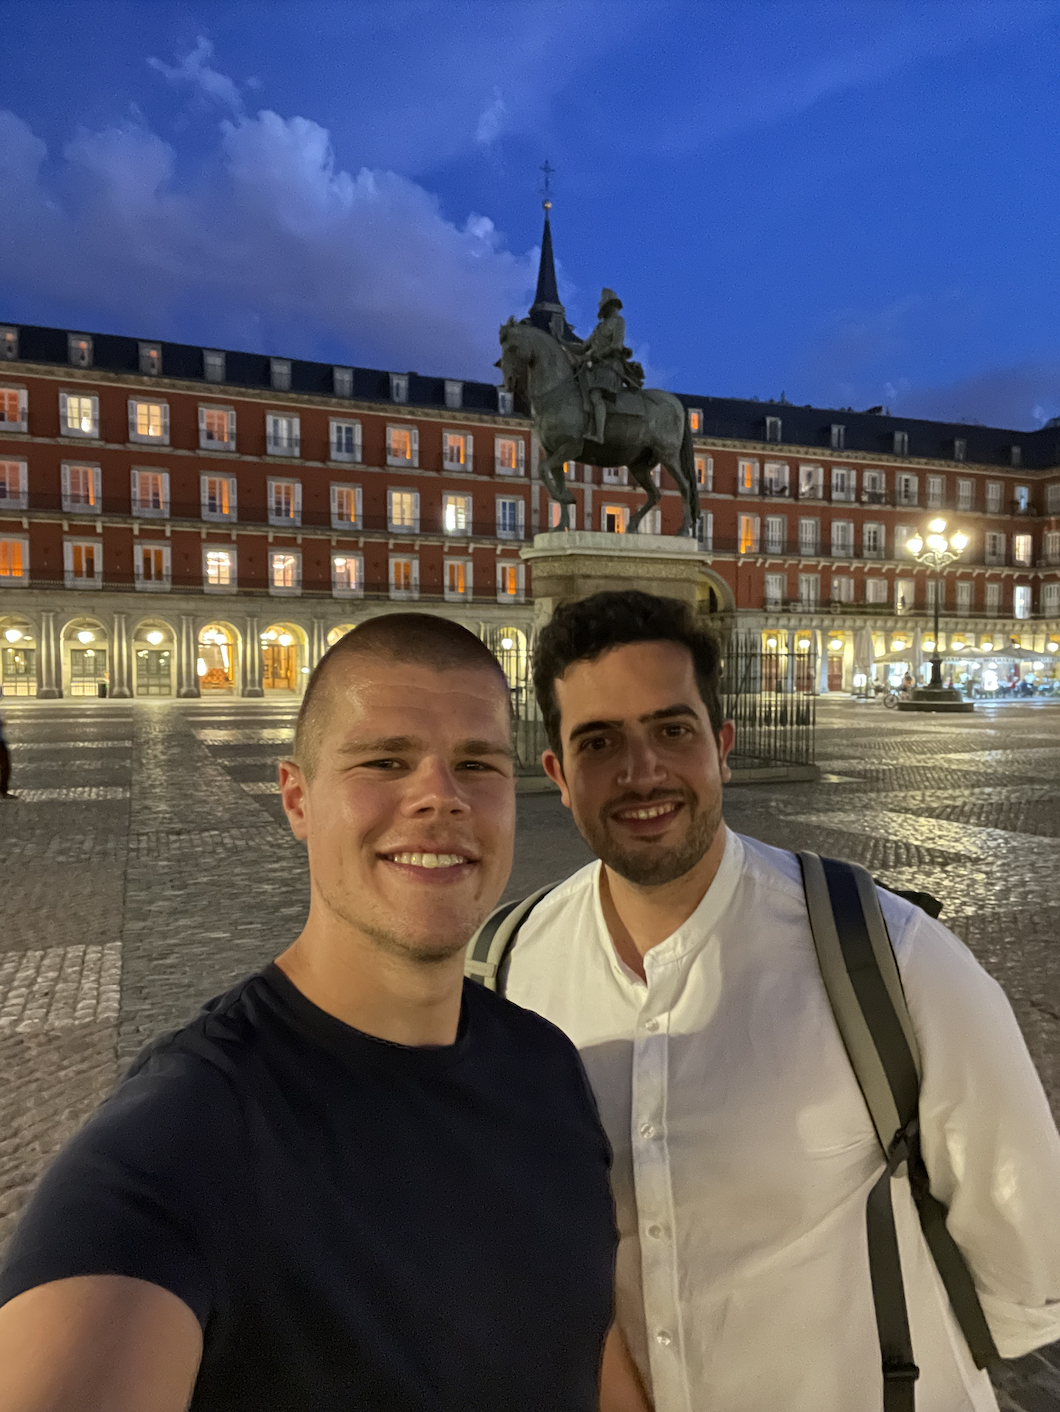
x=608, y=298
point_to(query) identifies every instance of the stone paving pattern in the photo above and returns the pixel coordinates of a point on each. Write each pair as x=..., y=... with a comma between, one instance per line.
x=148, y=866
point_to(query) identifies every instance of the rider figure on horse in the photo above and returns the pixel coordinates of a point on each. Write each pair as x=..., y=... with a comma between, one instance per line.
x=602, y=363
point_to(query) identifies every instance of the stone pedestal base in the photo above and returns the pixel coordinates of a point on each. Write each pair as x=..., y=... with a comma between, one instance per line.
x=935, y=698
x=573, y=564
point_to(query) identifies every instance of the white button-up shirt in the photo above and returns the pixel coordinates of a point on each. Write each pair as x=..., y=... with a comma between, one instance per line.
x=744, y=1152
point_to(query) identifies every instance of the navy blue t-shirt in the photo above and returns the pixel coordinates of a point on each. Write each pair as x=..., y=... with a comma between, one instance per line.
x=356, y=1224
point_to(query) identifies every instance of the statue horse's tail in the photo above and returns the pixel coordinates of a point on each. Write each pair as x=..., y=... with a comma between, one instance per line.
x=688, y=469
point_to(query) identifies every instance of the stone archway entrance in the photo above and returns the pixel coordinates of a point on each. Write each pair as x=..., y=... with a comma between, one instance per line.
x=216, y=661
x=283, y=656
x=86, y=659
x=18, y=656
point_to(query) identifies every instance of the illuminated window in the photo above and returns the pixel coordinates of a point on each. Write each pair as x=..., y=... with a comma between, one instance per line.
x=613, y=519
x=1023, y=499
x=458, y=578
x=150, y=359
x=14, y=560
x=775, y=478
x=13, y=405
x=345, y=506
x=151, y=565
x=904, y=594
x=457, y=451
x=403, y=510
x=1021, y=549
x=83, y=563
x=78, y=415
x=150, y=493
x=695, y=420
x=747, y=477
x=509, y=583
x=554, y=514
x=218, y=497
x=509, y=456
x=9, y=343
x=219, y=568
x=79, y=349
x=1021, y=599
x=13, y=485
x=347, y=575
x=283, y=435
x=402, y=446
x=148, y=421
x=285, y=502
x=345, y=440
x=456, y=514
x=811, y=482
x=217, y=429
x=748, y=534
x=285, y=571
x=81, y=487
x=404, y=577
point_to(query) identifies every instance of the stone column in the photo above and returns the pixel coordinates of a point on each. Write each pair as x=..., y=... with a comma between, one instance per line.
x=120, y=665
x=49, y=669
x=252, y=659
x=187, y=658
x=318, y=643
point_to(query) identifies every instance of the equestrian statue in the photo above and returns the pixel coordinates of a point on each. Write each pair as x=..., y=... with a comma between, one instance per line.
x=588, y=403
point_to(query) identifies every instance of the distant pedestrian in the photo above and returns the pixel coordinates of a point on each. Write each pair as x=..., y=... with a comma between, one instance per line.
x=5, y=764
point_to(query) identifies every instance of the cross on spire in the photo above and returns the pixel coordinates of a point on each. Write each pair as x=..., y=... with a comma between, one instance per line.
x=547, y=312
x=546, y=186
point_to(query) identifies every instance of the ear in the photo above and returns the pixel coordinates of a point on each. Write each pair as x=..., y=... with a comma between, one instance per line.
x=553, y=767
x=294, y=795
x=726, y=740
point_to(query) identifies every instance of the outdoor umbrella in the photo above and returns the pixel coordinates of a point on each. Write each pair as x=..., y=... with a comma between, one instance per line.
x=863, y=657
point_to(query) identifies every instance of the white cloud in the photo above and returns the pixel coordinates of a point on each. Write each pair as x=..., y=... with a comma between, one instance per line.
x=195, y=70
x=491, y=121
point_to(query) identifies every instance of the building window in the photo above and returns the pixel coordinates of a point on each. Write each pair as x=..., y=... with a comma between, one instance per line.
x=509, y=456
x=1051, y=600
x=402, y=446
x=748, y=534
x=873, y=541
x=150, y=359
x=213, y=365
x=505, y=402
x=78, y=415
x=456, y=514
x=9, y=344
x=79, y=350
x=902, y=533
x=747, y=477
x=1015, y=456
x=875, y=590
x=285, y=502
x=775, y=478
x=345, y=507
x=651, y=523
x=705, y=530
x=510, y=578
x=616, y=475
x=217, y=495
x=280, y=374
x=704, y=473
x=404, y=577
x=511, y=517
x=1021, y=597
x=148, y=421
x=1052, y=498
x=218, y=568
x=776, y=587
x=773, y=429
x=936, y=492
x=809, y=590
x=906, y=489
x=964, y=595
x=342, y=382
x=904, y=595
x=151, y=566
x=613, y=519
x=554, y=514
x=995, y=548
x=844, y=483
x=458, y=579
x=347, y=575
x=993, y=598
x=776, y=534
x=901, y=443
x=403, y=510
x=811, y=482
x=1023, y=499
x=83, y=563
x=14, y=561
x=457, y=451
x=283, y=435
x=809, y=536
x=695, y=420
x=14, y=405
x=150, y=493
x=839, y=437
x=842, y=539
x=217, y=429
x=345, y=440
x=1022, y=550
x=842, y=588
x=454, y=394
x=285, y=571
x=81, y=487
x=13, y=485
x=960, y=448
x=994, y=491
x=936, y=589
x=399, y=387
x=1051, y=546
x=965, y=494
x=873, y=487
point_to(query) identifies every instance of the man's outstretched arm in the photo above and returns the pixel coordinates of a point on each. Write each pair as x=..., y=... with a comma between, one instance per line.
x=621, y=1389
x=98, y=1343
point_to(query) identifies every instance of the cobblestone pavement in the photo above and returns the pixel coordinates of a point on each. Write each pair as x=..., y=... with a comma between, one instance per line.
x=143, y=831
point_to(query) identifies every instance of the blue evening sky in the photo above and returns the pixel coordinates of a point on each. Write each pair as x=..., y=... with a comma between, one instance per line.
x=850, y=203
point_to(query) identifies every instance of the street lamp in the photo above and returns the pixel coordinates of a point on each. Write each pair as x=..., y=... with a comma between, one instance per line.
x=935, y=552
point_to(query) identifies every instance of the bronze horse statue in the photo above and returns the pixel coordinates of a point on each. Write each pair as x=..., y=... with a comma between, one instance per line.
x=643, y=428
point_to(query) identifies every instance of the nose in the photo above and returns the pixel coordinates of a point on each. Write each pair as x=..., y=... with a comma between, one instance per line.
x=434, y=789
x=641, y=767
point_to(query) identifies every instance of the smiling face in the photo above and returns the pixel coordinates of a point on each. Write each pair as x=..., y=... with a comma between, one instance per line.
x=409, y=816
x=641, y=771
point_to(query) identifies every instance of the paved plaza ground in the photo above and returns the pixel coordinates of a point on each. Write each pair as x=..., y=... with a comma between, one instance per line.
x=147, y=865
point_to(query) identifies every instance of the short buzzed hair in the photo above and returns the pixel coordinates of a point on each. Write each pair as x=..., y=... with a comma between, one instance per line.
x=417, y=638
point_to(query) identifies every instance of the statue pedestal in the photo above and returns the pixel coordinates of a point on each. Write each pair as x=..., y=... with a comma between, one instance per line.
x=572, y=564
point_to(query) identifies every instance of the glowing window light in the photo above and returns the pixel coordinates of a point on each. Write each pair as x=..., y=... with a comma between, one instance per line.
x=85, y=636
x=286, y=639
x=13, y=635
x=507, y=644
x=200, y=666
x=155, y=637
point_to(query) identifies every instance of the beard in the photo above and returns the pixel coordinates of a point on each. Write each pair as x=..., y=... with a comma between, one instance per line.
x=653, y=864
x=414, y=947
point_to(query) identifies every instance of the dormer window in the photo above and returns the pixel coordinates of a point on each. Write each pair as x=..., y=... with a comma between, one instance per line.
x=695, y=420
x=9, y=344
x=773, y=429
x=213, y=365
x=79, y=350
x=960, y=448
x=839, y=437
x=454, y=394
x=150, y=359
x=280, y=374
x=1016, y=455
x=399, y=387
x=901, y=443
x=505, y=402
x=342, y=381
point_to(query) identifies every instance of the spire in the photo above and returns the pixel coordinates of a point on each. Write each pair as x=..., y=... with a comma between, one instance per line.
x=546, y=312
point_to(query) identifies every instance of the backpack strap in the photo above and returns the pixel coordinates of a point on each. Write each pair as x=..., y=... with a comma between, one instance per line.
x=496, y=936
x=864, y=988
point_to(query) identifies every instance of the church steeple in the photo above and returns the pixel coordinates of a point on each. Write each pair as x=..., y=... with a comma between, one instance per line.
x=546, y=312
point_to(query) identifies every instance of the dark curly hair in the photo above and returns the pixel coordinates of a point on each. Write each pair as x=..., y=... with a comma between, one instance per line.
x=585, y=630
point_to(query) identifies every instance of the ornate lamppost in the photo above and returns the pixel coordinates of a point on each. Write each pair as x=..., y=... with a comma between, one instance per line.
x=936, y=551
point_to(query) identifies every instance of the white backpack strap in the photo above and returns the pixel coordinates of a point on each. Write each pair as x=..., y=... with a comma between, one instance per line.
x=495, y=938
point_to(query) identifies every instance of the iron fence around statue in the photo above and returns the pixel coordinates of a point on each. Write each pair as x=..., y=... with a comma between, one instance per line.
x=771, y=696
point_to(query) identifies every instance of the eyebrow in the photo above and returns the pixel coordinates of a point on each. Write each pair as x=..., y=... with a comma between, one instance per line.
x=665, y=713
x=400, y=744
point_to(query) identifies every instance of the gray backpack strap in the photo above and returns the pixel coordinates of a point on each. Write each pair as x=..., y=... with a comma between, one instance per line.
x=864, y=988
x=495, y=938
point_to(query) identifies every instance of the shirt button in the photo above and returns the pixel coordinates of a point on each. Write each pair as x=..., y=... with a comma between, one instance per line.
x=647, y=1129
x=652, y=1025
x=664, y=1337
x=655, y=1231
